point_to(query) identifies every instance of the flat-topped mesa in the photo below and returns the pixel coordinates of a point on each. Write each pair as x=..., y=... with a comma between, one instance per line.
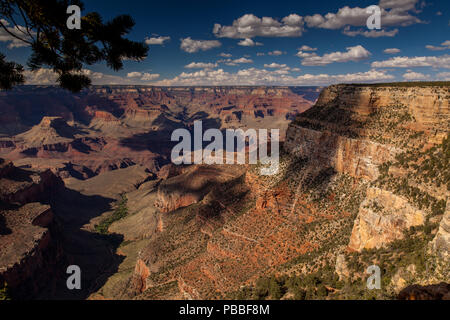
x=355, y=128
x=428, y=105
x=103, y=116
x=58, y=124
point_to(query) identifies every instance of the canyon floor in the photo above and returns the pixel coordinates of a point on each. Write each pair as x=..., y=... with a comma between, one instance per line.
x=363, y=180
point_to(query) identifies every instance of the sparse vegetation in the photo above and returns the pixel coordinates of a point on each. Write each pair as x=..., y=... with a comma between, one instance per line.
x=119, y=213
x=406, y=84
x=325, y=284
x=4, y=292
x=316, y=285
x=424, y=168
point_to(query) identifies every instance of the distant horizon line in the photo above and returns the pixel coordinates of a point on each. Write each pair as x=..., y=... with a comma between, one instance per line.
x=191, y=86
x=397, y=83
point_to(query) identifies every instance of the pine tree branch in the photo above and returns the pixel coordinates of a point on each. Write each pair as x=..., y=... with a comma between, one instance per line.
x=26, y=22
x=13, y=35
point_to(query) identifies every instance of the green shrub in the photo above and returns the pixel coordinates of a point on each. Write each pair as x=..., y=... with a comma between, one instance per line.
x=275, y=289
x=120, y=213
x=299, y=293
x=4, y=292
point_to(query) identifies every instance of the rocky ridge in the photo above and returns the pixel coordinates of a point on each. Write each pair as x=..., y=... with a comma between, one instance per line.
x=30, y=250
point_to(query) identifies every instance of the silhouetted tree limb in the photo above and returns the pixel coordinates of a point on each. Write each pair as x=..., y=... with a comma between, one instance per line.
x=10, y=73
x=43, y=26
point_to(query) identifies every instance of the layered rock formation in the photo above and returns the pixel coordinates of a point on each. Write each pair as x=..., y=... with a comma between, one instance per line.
x=356, y=129
x=356, y=157
x=363, y=180
x=190, y=186
x=428, y=104
x=30, y=248
x=357, y=175
x=111, y=127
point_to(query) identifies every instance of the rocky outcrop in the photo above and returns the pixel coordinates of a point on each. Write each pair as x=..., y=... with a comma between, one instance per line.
x=441, y=242
x=29, y=253
x=140, y=275
x=36, y=186
x=190, y=186
x=431, y=292
x=355, y=129
x=5, y=168
x=356, y=157
x=428, y=104
x=30, y=248
x=382, y=218
x=341, y=267
x=50, y=131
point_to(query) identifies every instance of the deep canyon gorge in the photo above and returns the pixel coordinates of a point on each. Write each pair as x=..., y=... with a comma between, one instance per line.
x=364, y=175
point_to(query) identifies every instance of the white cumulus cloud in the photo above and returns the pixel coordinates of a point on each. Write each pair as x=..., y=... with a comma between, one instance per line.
x=18, y=31
x=249, y=43
x=276, y=53
x=411, y=62
x=443, y=76
x=444, y=46
x=393, y=13
x=307, y=48
x=249, y=26
x=411, y=75
x=48, y=77
x=255, y=76
x=274, y=65
x=356, y=53
x=144, y=76
x=391, y=50
x=192, y=46
x=200, y=65
x=369, y=33
x=156, y=40
x=235, y=62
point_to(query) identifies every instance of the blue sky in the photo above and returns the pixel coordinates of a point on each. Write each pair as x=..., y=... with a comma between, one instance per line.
x=274, y=42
